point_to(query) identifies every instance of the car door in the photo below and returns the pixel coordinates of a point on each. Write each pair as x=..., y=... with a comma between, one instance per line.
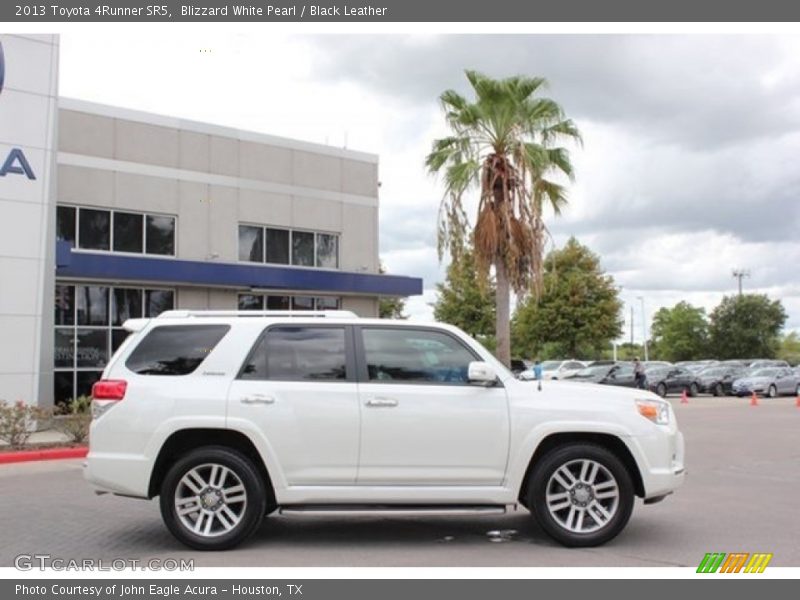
x=786, y=382
x=680, y=380
x=298, y=386
x=422, y=422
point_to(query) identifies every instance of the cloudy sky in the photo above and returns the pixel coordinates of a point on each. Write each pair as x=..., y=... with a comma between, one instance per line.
x=689, y=166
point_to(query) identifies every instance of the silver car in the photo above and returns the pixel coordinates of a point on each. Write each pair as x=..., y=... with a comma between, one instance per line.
x=772, y=382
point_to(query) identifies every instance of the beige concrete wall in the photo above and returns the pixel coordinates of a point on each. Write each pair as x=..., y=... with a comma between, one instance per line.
x=212, y=182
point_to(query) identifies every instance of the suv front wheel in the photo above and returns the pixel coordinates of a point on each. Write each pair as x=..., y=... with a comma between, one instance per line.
x=581, y=495
x=212, y=498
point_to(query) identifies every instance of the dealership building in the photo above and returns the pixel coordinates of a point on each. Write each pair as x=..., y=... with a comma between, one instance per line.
x=108, y=214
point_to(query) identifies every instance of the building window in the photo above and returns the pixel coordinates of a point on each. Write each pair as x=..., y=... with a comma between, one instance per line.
x=251, y=243
x=274, y=302
x=303, y=248
x=277, y=246
x=288, y=247
x=88, y=330
x=116, y=230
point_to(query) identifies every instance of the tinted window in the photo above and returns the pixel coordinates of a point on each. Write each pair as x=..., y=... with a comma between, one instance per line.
x=92, y=305
x=624, y=371
x=65, y=305
x=160, y=235
x=278, y=246
x=251, y=302
x=251, y=243
x=415, y=356
x=128, y=232
x=302, y=303
x=299, y=354
x=175, y=349
x=125, y=304
x=65, y=223
x=95, y=229
x=303, y=248
x=278, y=302
x=157, y=301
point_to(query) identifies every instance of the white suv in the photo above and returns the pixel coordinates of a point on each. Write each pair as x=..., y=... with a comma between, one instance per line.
x=230, y=416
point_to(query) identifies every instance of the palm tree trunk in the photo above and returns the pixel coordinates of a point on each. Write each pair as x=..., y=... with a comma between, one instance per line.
x=502, y=316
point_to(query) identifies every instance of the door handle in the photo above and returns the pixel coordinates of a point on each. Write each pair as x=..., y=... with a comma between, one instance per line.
x=382, y=402
x=257, y=399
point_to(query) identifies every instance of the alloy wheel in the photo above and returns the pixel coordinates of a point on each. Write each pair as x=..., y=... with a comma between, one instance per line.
x=210, y=500
x=582, y=496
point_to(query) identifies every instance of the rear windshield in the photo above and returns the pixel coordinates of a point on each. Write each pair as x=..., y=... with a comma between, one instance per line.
x=175, y=349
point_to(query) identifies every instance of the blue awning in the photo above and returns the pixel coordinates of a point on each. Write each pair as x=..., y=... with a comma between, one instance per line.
x=121, y=267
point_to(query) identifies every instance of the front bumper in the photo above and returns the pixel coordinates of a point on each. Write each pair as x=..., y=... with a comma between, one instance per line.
x=661, y=456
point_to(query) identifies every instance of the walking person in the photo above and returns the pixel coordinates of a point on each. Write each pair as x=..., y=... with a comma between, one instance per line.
x=638, y=374
x=538, y=373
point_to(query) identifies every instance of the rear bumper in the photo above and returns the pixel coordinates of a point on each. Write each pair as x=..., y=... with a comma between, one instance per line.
x=124, y=474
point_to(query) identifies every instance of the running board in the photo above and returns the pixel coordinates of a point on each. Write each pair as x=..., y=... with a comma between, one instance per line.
x=391, y=510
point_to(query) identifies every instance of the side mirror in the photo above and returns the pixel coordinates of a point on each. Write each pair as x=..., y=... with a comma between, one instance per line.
x=481, y=373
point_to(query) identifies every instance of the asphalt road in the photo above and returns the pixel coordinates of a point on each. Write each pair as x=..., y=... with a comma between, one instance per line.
x=741, y=495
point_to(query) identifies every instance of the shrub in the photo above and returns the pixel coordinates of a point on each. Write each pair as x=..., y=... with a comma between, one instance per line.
x=74, y=418
x=18, y=421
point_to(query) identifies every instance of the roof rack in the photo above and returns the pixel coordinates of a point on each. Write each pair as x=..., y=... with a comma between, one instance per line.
x=330, y=314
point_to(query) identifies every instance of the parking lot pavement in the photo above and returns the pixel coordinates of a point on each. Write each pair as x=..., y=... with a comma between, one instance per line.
x=740, y=496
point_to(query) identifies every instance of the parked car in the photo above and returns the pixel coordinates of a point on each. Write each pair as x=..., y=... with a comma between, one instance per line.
x=229, y=418
x=718, y=380
x=619, y=374
x=656, y=363
x=771, y=381
x=669, y=380
x=555, y=369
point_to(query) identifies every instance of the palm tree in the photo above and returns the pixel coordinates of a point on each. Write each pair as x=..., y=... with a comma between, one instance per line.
x=506, y=144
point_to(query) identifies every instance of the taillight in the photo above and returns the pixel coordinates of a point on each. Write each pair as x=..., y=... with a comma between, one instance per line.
x=109, y=389
x=105, y=394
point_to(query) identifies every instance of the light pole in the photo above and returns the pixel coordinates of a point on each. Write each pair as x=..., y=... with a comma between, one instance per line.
x=644, y=328
x=740, y=274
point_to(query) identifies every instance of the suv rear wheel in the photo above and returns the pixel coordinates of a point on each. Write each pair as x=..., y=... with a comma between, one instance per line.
x=581, y=495
x=212, y=498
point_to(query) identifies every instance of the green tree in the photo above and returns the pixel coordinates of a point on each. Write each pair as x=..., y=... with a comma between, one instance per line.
x=578, y=312
x=790, y=348
x=466, y=299
x=680, y=333
x=505, y=143
x=747, y=326
x=390, y=307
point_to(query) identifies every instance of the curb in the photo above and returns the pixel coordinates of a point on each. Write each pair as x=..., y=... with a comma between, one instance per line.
x=48, y=454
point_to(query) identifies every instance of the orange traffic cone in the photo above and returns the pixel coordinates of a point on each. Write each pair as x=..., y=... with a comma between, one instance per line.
x=684, y=397
x=754, y=399
x=797, y=402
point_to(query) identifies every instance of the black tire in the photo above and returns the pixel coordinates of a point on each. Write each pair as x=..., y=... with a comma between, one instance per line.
x=772, y=392
x=661, y=390
x=718, y=390
x=693, y=390
x=536, y=494
x=252, y=509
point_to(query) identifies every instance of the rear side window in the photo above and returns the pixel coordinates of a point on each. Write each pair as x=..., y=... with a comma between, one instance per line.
x=175, y=349
x=299, y=354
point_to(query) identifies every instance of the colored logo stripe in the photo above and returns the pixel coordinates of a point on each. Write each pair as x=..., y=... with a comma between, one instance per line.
x=734, y=562
x=711, y=562
x=758, y=562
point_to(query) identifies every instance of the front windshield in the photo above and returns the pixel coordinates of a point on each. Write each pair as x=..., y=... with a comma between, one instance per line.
x=765, y=373
x=550, y=365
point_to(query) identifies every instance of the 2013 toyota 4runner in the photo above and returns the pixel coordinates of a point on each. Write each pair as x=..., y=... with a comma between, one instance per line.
x=230, y=416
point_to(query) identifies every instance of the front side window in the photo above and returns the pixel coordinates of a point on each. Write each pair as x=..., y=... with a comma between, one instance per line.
x=175, y=349
x=405, y=355
x=299, y=354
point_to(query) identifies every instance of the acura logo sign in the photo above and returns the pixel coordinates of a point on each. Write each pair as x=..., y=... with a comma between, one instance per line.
x=15, y=162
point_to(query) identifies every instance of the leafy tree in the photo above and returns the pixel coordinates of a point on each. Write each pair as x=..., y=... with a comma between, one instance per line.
x=790, y=348
x=680, y=333
x=578, y=312
x=505, y=143
x=466, y=299
x=390, y=307
x=747, y=326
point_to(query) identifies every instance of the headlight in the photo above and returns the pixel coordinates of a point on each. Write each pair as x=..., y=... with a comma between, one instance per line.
x=654, y=410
